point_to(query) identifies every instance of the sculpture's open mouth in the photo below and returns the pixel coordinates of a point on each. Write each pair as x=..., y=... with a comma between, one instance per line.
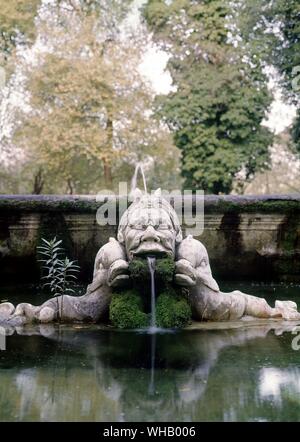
x=153, y=249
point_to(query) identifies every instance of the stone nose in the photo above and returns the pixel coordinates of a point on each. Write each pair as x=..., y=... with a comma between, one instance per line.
x=150, y=235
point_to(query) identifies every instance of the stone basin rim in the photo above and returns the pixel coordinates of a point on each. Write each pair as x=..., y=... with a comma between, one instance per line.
x=243, y=324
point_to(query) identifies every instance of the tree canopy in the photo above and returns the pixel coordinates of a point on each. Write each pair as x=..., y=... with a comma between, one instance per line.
x=79, y=112
x=90, y=117
x=221, y=95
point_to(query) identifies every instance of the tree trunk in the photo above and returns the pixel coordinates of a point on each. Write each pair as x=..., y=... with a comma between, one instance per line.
x=106, y=164
x=38, y=183
x=70, y=187
x=107, y=175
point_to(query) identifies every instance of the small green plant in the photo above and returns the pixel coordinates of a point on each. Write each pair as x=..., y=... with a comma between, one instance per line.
x=60, y=272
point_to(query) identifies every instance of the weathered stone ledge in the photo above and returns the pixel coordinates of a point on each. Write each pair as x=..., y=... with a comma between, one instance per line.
x=247, y=237
x=212, y=203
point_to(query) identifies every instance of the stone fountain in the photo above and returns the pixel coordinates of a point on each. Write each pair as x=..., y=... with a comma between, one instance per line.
x=150, y=227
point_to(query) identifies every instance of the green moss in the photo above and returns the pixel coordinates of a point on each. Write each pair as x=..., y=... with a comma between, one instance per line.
x=126, y=310
x=140, y=275
x=138, y=270
x=252, y=205
x=213, y=204
x=165, y=269
x=172, y=310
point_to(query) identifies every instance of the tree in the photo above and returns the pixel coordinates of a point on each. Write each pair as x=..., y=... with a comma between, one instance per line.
x=274, y=28
x=90, y=107
x=16, y=24
x=286, y=54
x=221, y=95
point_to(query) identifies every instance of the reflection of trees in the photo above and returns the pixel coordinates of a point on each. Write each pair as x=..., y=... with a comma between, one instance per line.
x=92, y=374
x=245, y=371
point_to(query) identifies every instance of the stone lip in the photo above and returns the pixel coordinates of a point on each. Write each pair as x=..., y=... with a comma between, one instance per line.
x=212, y=203
x=47, y=330
x=245, y=322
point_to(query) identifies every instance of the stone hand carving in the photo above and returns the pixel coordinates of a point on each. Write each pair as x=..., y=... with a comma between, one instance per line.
x=150, y=227
x=111, y=266
x=208, y=302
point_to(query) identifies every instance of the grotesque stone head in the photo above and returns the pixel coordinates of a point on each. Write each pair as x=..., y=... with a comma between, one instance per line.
x=149, y=226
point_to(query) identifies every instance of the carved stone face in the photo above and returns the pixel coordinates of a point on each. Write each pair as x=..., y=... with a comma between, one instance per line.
x=149, y=232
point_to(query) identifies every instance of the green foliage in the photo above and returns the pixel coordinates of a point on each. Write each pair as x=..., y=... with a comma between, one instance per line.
x=274, y=29
x=296, y=131
x=139, y=271
x=172, y=310
x=221, y=97
x=16, y=23
x=164, y=272
x=126, y=310
x=60, y=271
x=286, y=55
x=90, y=118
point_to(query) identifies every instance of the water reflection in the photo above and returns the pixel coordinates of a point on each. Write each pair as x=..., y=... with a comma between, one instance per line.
x=87, y=373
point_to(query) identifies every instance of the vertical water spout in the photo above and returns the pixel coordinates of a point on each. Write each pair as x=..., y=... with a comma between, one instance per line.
x=151, y=265
x=138, y=168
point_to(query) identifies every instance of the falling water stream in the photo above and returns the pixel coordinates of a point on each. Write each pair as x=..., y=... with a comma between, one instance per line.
x=151, y=265
x=153, y=328
x=138, y=168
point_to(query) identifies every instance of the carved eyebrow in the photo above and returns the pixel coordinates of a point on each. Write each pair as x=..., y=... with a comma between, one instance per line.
x=165, y=225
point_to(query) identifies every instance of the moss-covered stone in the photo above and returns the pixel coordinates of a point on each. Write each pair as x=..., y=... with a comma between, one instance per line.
x=172, y=310
x=213, y=203
x=126, y=310
x=139, y=271
x=164, y=270
x=269, y=248
x=140, y=275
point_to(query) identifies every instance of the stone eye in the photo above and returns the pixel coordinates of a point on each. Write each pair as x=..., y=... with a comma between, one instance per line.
x=136, y=226
x=203, y=262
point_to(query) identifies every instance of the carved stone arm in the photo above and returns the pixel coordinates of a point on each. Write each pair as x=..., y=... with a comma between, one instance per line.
x=110, y=270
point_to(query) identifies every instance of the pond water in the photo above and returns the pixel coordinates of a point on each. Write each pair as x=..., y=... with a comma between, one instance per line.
x=247, y=372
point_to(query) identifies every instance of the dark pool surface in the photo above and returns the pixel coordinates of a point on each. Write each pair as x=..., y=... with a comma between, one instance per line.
x=85, y=373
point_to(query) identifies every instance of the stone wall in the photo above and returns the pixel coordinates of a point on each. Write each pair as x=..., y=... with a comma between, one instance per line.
x=248, y=237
